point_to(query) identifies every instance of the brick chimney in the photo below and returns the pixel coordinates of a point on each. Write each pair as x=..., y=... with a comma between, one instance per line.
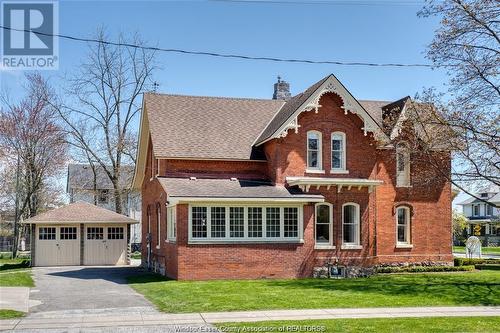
x=281, y=90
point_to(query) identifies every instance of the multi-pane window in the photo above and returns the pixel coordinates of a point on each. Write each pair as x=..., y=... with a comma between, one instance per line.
x=314, y=150
x=199, y=222
x=244, y=223
x=402, y=165
x=236, y=222
x=171, y=224
x=291, y=221
x=95, y=233
x=489, y=210
x=115, y=233
x=476, y=210
x=68, y=233
x=350, y=224
x=403, y=225
x=272, y=222
x=254, y=222
x=323, y=224
x=338, y=151
x=218, y=219
x=47, y=233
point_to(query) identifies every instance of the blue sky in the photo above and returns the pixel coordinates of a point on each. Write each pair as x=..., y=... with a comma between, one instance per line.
x=349, y=32
x=354, y=32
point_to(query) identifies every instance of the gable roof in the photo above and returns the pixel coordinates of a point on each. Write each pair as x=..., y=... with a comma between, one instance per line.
x=207, y=127
x=80, y=176
x=79, y=212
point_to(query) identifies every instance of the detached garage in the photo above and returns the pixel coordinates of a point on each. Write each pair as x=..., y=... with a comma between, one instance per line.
x=79, y=234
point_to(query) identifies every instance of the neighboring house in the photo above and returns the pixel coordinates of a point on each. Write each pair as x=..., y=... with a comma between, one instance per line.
x=80, y=187
x=79, y=234
x=483, y=217
x=288, y=187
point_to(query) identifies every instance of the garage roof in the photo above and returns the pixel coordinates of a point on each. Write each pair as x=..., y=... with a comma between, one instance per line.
x=79, y=212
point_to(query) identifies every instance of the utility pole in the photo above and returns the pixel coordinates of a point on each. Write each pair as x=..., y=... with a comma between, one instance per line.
x=16, y=218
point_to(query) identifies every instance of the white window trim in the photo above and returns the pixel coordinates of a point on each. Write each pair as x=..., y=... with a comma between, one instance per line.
x=171, y=224
x=408, y=243
x=403, y=178
x=343, y=167
x=356, y=245
x=474, y=211
x=319, y=168
x=324, y=246
x=246, y=239
x=158, y=226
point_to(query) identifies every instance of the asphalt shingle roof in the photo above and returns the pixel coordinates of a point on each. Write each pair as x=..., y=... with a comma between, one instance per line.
x=80, y=212
x=226, y=188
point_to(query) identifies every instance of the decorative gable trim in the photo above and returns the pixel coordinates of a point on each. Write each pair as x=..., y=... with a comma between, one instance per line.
x=350, y=104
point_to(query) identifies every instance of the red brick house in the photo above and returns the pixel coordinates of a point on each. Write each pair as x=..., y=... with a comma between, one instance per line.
x=282, y=188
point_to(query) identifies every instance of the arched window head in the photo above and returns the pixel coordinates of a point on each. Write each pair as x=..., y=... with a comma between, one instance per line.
x=338, y=152
x=402, y=165
x=403, y=225
x=314, y=161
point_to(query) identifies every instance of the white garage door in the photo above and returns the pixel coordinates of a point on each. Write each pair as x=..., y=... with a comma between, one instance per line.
x=105, y=245
x=57, y=245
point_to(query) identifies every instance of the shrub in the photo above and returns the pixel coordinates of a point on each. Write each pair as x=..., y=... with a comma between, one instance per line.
x=495, y=267
x=23, y=264
x=5, y=255
x=422, y=269
x=475, y=261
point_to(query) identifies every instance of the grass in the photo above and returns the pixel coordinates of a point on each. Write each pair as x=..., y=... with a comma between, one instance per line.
x=484, y=250
x=9, y=314
x=427, y=289
x=407, y=325
x=11, y=275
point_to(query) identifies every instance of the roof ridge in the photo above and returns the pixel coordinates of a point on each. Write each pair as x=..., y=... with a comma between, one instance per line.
x=219, y=97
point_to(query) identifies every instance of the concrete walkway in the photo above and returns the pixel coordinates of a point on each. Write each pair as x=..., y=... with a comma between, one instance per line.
x=144, y=319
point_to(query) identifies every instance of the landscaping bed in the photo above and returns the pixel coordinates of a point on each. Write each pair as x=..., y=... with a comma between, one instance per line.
x=384, y=290
x=10, y=314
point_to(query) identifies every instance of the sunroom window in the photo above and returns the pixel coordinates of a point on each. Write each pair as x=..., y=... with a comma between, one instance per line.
x=245, y=223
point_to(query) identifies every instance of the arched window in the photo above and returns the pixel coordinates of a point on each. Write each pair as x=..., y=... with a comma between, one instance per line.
x=350, y=224
x=403, y=225
x=323, y=227
x=338, y=152
x=402, y=165
x=158, y=225
x=314, y=151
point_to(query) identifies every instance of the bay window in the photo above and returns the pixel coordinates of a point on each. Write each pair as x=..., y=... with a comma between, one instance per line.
x=314, y=151
x=245, y=223
x=350, y=225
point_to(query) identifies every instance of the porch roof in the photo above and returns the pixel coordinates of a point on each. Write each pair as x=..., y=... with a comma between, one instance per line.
x=194, y=189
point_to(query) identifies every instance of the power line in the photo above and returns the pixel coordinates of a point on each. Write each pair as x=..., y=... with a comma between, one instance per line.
x=331, y=2
x=223, y=55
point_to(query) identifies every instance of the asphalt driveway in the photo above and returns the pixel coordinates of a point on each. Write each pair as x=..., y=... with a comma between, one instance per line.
x=81, y=288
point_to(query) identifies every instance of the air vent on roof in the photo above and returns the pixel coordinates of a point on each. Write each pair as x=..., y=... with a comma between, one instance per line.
x=192, y=178
x=233, y=179
x=484, y=195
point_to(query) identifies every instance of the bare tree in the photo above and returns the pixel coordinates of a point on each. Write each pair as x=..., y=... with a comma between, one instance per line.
x=467, y=43
x=33, y=149
x=105, y=103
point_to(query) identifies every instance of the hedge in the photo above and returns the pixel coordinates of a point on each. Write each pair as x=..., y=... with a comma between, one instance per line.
x=419, y=269
x=495, y=267
x=466, y=261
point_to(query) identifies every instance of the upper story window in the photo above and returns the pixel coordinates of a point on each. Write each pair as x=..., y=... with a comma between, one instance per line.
x=489, y=210
x=338, y=152
x=476, y=210
x=403, y=225
x=402, y=165
x=350, y=225
x=245, y=223
x=323, y=228
x=314, y=151
x=103, y=196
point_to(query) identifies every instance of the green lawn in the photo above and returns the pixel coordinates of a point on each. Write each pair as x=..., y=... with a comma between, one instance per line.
x=484, y=250
x=407, y=325
x=431, y=289
x=9, y=314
